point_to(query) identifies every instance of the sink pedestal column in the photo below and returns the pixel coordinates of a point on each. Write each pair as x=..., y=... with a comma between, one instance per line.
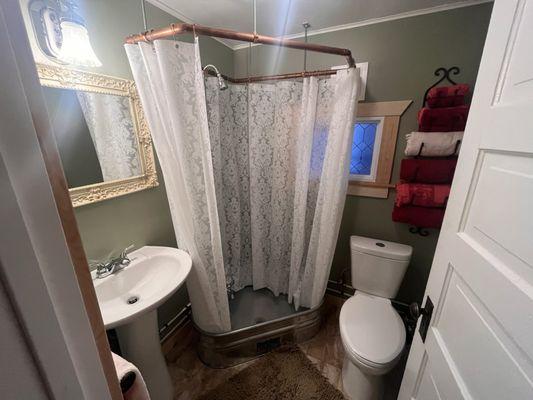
x=139, y=343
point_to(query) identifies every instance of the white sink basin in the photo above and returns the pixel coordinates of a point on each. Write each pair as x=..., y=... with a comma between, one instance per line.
x=153, y=275
x=128, y=301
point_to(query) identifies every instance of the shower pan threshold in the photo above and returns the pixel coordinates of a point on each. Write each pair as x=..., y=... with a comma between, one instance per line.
x=244, y=343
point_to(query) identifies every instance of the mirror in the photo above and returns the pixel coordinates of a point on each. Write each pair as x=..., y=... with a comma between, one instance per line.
x=101, y=133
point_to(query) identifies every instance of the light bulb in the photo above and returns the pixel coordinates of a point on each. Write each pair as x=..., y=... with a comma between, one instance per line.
x=76, y=46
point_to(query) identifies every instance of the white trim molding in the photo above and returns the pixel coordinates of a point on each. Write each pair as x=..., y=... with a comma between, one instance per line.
x=372, y=21
x=408, y=14
x=182, y=17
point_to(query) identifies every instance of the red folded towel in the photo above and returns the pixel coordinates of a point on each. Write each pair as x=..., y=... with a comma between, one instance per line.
x=447, y=96
x=421, y=194
x=424, y=170
x=448, y=101
x=460, y=89
x=421, y=217
x=442, y=119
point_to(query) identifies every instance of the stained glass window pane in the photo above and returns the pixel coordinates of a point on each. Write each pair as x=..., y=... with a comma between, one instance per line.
x=363, y=148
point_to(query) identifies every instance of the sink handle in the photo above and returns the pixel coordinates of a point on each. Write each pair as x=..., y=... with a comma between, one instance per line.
x=124, y=255
x=127, y=249
x=95, y=264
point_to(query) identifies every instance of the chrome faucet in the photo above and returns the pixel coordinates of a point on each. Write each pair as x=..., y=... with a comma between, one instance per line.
x=106, y=268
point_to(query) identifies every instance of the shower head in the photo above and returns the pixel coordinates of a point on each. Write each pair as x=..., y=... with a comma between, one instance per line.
x=221, y=83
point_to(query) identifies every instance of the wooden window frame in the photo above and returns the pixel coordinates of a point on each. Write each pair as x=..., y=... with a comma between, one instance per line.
x=390, y=111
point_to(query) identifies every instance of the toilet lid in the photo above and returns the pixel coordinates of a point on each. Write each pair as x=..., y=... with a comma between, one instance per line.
x=371, y=328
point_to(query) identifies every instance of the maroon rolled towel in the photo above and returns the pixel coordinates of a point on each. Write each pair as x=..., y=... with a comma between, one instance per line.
x=427, y=170
x=422, y=194
x=442, y=119
x=447, y=96
x=449, y=101
x=422, y=217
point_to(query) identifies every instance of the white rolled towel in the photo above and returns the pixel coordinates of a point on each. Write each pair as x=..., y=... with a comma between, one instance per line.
x=138, y=391
x=436, y=144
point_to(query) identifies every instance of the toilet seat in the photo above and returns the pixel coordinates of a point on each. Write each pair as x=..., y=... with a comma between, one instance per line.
x=372, y=332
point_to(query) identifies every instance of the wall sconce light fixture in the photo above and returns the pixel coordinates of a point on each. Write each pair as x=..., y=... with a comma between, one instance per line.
x=61, y=32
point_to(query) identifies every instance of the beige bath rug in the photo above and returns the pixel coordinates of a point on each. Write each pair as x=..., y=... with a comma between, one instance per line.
x=281, y=375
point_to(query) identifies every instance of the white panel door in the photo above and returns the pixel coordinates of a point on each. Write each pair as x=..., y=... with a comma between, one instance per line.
x=480, y=339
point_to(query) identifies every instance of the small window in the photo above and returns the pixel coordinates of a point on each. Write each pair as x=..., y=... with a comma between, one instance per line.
x=365, y=149
x=373, y=147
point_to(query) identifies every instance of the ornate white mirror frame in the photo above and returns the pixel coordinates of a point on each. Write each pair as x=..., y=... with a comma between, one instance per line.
x=63, y=78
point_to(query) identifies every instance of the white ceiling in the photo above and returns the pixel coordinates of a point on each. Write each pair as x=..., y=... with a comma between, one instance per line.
x=285, y=17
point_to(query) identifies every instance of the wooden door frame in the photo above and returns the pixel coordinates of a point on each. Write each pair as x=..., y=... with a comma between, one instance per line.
x=46, y=271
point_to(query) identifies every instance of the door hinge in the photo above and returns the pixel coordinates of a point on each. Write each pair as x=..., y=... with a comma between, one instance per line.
x=426, y=313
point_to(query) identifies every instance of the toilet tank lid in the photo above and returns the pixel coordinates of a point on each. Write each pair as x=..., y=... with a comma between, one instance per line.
x=381, y=248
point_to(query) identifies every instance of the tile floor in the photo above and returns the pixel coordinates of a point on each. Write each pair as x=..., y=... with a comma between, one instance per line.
x=325, y=349
x=191, y=377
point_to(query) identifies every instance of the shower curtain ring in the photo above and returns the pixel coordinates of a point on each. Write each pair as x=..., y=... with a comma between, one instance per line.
x=194, y=31
x=145, y=38
x=173, y=27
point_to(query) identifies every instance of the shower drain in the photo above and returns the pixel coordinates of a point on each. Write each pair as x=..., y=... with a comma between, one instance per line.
x=133, y=300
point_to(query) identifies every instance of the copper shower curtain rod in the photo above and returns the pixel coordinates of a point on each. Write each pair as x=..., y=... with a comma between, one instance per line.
x=264, y=78
x=176, y=29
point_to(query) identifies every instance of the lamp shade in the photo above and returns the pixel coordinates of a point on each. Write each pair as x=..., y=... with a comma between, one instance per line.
x=76, y=48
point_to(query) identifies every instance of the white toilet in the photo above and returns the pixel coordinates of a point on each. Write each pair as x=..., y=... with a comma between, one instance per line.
x=372, y=332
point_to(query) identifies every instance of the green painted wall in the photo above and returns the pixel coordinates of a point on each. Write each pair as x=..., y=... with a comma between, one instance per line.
x=141, y=218
x=402, y=56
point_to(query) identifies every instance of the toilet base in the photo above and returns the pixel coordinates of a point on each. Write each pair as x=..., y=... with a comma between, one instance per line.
x=358, y=385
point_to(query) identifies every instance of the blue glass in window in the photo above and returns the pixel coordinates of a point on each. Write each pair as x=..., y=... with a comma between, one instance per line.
x=364, y=137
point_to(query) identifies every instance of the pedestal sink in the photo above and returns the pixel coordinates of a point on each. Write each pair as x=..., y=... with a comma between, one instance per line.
x=128, y=301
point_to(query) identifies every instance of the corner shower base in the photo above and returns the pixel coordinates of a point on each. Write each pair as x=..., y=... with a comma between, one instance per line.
x=260, y=322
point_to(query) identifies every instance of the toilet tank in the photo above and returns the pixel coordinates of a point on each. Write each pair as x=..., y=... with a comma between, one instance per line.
x=378, y=266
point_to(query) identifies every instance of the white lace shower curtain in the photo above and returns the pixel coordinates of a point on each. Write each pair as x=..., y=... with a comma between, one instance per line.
x=256, y=175
x=108, y=118
x=171, y=87
x=281, y=155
